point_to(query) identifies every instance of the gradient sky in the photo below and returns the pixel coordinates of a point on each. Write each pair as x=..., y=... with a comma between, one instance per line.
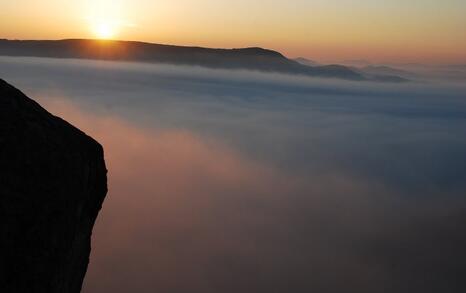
x=428, y=31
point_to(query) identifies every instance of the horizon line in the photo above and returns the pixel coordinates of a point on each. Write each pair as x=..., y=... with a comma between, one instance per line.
x=340, y=61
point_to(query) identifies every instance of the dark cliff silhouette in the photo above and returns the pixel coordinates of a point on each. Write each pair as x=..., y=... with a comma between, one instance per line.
x=52, y=185
x=247, y=58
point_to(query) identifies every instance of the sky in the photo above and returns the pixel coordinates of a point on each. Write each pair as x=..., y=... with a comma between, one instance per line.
x=413, y=31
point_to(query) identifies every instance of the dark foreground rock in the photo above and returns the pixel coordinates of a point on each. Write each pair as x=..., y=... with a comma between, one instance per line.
x=52, y=185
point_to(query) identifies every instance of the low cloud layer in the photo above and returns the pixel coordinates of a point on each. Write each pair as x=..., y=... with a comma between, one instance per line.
x=249, y=182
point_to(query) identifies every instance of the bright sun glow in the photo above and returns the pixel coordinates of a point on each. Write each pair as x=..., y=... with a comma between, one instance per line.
x=105, y=18
x=104, y=30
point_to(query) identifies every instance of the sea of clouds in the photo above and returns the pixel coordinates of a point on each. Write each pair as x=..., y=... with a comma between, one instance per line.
x=241, y=181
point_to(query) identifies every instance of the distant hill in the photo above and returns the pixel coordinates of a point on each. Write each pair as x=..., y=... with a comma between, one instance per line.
x=307, y=62
x=246, y=58
x=385, y=70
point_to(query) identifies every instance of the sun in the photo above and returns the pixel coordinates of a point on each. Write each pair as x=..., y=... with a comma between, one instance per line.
x=105, y=30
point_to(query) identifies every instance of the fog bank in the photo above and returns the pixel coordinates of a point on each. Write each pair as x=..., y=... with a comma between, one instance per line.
x=237, y=181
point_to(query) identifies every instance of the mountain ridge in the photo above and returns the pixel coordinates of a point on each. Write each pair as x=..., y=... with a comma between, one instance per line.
x=252, y=58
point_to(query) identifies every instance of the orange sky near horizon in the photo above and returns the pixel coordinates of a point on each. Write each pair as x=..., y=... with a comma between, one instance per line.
x=424, y=31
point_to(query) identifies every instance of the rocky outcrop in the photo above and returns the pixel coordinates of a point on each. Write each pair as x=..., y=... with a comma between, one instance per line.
x=52, y=185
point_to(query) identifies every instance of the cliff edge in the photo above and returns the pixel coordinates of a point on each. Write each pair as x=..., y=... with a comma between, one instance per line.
x=52, y=185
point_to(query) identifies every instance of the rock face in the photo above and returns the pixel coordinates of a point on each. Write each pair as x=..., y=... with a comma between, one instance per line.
x=52, y=186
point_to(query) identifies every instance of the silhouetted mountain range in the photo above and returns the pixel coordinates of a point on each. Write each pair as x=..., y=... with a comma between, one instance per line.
x=246, y=58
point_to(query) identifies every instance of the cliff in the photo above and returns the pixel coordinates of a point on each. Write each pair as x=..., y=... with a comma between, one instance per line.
x=52, y=186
